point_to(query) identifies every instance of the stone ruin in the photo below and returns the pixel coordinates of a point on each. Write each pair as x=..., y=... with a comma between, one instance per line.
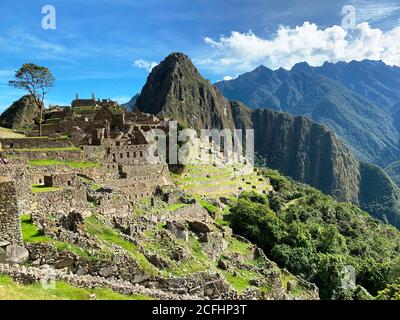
x=10, y=226
x=11, y=244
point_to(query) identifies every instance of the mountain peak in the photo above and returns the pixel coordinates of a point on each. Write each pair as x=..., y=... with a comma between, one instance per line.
x=177, y=56
x=302, y=66
x=175, y=89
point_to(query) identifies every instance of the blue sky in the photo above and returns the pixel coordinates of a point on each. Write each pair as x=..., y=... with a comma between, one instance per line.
x=108, y=46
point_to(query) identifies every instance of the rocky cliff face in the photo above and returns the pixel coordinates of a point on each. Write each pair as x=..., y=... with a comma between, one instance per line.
x=356, y=111
x=20, y=114
x=303, y=150
x=175, y=89
x=296, y=146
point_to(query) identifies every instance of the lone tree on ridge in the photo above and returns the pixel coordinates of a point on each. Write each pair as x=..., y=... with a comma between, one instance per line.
x=37, y=80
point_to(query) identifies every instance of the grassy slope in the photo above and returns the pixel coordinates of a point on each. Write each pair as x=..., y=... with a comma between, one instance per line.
x=9, y=290
x=38, y=188
x=215, y=182
x=72, y=164
x=8, y=133
x=111, y=236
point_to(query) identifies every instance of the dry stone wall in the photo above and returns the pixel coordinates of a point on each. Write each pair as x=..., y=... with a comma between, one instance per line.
x=103, y=173
x=33, y=143
x=61, y=155
x=17, y=171
x=10, y=226
x=64, y=200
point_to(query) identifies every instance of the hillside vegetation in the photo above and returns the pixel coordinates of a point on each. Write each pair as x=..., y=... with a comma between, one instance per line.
x=9, y=290
x=315, y=237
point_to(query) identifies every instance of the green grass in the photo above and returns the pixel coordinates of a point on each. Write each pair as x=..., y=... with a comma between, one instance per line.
x=9, y=290
x=93, y=186
x=8, y=133
x=30, y=232
x=85, y=110
x=96, y=228
x=146, y=201
x=72, y=164
x=222, y=222
x=197, y=250
x=161, y=225
x=47, y=149
x=175, y=206
x=64, y=246
x=207, y=205
x=214, y=182
x=241, y=280
x=237, y=246
x=62, y=137
x=38, y=188
x=198, y=262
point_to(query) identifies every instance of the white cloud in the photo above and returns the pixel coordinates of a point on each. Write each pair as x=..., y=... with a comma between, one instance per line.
x=374, y=12
x=244, y=51
x=6, y=73
x=17, y=40
x=227, y=78
x=143, y=64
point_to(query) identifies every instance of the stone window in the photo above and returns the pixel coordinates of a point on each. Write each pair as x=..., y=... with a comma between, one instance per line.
x=141, y=154
x=121, y=155
x=134, y=154
x=69, y=182
x=128, y=154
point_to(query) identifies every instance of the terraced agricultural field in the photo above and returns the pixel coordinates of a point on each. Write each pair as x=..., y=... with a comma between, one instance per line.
x=221, y=181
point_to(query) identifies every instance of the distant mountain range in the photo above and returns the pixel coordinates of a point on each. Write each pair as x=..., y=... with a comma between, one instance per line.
x=130, y=105
x=360, y=101
x=296, y=146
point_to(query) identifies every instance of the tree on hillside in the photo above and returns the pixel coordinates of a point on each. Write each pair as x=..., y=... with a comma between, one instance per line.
x=37, y=80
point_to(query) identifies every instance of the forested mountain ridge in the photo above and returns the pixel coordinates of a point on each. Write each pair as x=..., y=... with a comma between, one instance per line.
x=340, y=96
x=296, y=146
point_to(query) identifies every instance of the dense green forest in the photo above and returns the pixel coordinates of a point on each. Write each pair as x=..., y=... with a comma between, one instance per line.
x=315, y=237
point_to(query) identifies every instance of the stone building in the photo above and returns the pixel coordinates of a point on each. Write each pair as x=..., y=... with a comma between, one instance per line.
x=81, y=103
x=110, y=137
x=139, y=172
x=127, y=149
x=62, y=180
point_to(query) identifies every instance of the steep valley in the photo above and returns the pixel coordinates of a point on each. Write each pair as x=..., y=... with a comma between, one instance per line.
x=297, y=146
